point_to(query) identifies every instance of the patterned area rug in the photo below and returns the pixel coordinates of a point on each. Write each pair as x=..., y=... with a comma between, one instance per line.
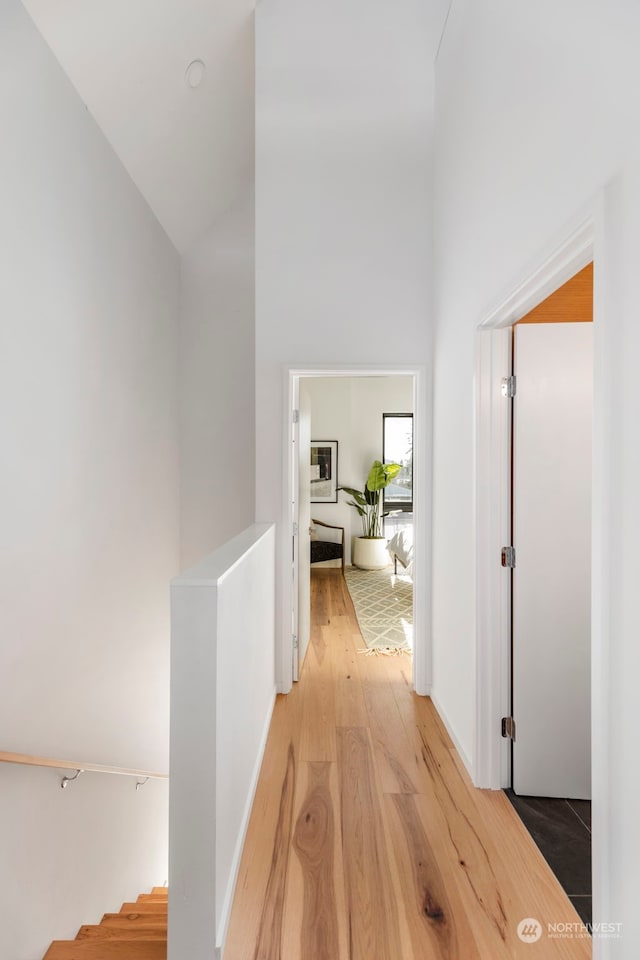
x=383, y=603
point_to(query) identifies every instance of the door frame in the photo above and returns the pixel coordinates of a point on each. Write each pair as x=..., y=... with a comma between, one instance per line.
x=492, y=754
x=422, y=659
x=294, y=515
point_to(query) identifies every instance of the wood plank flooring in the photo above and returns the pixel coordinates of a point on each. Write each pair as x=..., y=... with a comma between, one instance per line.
x=367, y=840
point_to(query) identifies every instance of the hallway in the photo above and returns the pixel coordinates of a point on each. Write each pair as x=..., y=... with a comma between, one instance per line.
x=367, y=840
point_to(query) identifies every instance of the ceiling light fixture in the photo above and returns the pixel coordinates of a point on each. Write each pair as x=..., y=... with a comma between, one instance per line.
x=194, y=74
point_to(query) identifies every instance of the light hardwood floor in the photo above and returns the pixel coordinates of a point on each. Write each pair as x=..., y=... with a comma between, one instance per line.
x=367, y=840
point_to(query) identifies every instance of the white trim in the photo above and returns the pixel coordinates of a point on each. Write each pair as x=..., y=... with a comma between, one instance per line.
x=223, y=923
x=603, y=410
x=491, y=752
x=557, y=266
x=422, y=496
x=491, y=759
x=284, y=652
x=466, y=759
x=293, y=507
x=422, y=659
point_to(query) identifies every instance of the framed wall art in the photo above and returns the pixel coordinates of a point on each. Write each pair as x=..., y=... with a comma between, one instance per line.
x=324, y=471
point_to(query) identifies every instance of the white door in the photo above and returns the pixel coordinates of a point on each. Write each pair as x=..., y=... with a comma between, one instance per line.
x=552, y=577
x=304, y=521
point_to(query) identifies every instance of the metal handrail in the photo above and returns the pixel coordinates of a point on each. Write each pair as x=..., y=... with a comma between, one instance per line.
x=142, y=776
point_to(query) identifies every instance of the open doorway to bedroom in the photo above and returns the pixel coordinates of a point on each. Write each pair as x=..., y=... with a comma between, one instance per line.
x=345, y=427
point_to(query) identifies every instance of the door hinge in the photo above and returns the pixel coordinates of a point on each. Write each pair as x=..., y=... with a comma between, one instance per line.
x=296, y=416
x=508, y=556
x=294, y=640
x=509, y=728
x=295, y=529
x=509, y=386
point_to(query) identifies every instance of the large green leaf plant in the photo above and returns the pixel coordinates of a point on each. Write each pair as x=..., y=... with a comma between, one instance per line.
x=368, y=502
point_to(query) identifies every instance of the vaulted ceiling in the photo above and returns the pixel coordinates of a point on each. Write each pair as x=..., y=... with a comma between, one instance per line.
x=187, y=147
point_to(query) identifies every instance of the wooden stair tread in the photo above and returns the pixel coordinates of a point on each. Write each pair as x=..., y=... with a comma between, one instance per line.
x=97, y=950
x=145, y=906
x=103, y=931
x=138, y=932
x=135, y=917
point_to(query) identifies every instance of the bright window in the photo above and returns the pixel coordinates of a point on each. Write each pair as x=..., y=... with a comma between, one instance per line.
x=397, y=447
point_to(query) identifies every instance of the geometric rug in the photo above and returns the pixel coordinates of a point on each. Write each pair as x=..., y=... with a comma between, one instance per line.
x=383, y=603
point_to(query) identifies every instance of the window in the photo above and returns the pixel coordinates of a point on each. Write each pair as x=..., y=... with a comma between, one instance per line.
x=397, y=447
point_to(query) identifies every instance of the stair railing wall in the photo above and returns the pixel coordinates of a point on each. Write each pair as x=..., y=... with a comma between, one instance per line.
x=222, y=695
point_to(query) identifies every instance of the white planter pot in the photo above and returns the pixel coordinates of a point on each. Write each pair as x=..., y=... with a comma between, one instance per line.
x=370, y=554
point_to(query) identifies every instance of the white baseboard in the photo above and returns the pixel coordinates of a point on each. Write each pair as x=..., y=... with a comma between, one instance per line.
x=223, y=926
x=451, y=731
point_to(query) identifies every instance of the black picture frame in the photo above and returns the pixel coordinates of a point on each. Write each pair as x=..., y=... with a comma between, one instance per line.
x=324, y=471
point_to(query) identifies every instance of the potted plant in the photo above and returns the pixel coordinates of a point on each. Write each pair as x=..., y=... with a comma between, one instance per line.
x=370, y=550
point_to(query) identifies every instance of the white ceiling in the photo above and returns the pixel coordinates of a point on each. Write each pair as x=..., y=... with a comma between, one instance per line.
x=189, y=151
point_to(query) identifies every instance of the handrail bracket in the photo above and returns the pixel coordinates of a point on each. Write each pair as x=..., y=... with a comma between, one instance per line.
x=66, y=780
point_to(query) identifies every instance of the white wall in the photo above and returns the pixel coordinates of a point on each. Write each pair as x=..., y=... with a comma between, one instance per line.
x=343, y=220
x=349, y=410
x=217, y=393
x=89, y=503
x=222, y=694
x=534, y=108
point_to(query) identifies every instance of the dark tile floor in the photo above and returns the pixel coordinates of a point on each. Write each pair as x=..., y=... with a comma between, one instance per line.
x=562, y=831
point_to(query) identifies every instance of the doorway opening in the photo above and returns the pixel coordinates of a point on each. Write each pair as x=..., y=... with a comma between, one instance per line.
x=337, y=431
x=551, y=399
x=535, y=423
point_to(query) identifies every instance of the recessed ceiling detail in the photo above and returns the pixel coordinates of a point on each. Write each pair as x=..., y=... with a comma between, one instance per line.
x=194, y=74
x=170, y=83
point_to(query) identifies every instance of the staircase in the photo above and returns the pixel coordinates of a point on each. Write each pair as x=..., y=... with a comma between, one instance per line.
x=138, y=932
